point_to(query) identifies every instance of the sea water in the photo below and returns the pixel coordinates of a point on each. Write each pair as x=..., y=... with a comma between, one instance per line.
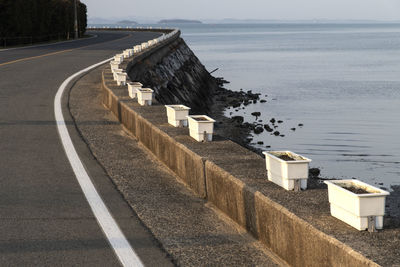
x=340, y=81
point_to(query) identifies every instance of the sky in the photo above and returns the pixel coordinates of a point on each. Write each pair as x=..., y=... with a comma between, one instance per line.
x=246, y=9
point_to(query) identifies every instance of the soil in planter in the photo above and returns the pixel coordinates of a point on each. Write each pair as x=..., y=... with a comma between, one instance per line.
x=178, y=108
x=200, y=119
x=286, y=158
x=356, y=190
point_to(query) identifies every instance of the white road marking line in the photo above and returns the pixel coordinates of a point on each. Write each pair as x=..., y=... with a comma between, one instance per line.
x=118, y=242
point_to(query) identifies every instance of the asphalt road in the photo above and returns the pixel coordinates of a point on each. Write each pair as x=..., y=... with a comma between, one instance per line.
x=45, y=219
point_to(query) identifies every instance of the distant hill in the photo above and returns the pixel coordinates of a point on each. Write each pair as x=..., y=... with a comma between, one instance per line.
x=178, y=21
x=127, y=22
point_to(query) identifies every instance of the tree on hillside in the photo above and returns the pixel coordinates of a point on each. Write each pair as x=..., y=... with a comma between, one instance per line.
x=40, y=20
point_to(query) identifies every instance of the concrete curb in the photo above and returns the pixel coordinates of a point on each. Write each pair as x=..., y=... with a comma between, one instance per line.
x=290, y=237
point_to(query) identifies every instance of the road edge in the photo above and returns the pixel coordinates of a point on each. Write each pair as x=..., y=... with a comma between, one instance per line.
x=120, y=245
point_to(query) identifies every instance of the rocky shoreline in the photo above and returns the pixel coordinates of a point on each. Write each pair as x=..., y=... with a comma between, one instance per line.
x=178, y=77
x=240, y=132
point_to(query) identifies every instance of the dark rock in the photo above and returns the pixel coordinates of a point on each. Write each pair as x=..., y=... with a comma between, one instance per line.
x=268, y=146
x=293, y=129
x=256, y=114
x=236, y=105
x=268, y=128
x=263, y=101
x=259, y=120
x=258, y=130
x=272, y=120
x=260, y=142
x=279, y=121
x=282, y=135
x=237, y=119
x=221, y=81
x=300, y=125
x=249, y=126
x=276, y=133
x=314, y=172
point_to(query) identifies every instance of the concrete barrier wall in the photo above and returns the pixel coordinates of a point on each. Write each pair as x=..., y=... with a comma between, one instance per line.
x=291, y=238
x=205, y=172
x=182, y=161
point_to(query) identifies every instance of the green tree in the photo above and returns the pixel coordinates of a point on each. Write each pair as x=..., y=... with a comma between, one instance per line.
x=40, y=20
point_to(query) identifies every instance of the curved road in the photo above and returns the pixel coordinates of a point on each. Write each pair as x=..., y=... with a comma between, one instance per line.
x=45, y=219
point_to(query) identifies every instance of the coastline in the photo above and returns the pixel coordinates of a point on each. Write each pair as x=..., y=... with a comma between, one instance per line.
x=235, y=130
x=178, y=77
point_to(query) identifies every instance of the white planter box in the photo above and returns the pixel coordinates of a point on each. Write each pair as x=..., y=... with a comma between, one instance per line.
x=114, y=65
x=132, y=88
x=144, y=46
x=354, y=209
x=291, y=175
x=128, y=52
x=119, y=58
x=177, y=115
x=201, y=127
x=115, y=72
x=145, y=96
x=121, y=78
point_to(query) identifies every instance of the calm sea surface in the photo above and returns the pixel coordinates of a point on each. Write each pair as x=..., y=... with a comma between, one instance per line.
x=341, y=81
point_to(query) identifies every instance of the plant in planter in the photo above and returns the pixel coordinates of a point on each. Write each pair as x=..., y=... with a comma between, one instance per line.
x=287, y=169
x=356, y=203
x=177, y=115
x=201, y=127
x=121, y=78
x=132, y=88
x=145, y=96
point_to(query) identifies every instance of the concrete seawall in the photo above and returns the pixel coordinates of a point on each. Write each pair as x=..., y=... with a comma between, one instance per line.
x=297, y=226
